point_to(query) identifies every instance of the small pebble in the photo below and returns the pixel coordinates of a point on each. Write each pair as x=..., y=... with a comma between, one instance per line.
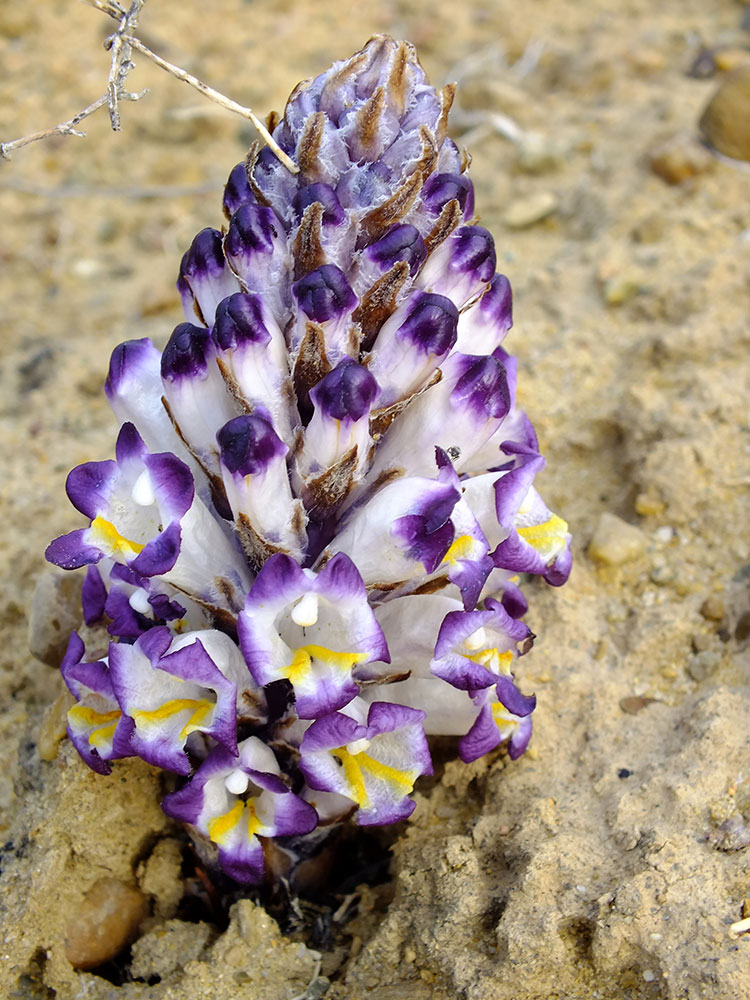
x=665, y=534
x=635, y=703
x=105, y=921
x=537, y=154
x=527, y=212
x=703, y=664
x=661, y=575
x=615, y=541
x=713, y=608
x=649, y=505
x=701, y=642
x=648, y=976
x=679, y=158
x=726, y=120
x=621, y=288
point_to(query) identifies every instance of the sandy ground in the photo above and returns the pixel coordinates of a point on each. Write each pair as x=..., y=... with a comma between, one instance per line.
x=612, y=859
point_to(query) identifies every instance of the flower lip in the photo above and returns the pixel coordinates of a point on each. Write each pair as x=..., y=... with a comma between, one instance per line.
x=333, y=213
x=401, y=242
x=239, y=320
x=324, y=293
x=187, y=352
x=249, y=443
x=347, y=392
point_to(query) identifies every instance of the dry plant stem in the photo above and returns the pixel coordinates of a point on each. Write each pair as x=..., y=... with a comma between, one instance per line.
x=120, y=45
x=65, y=128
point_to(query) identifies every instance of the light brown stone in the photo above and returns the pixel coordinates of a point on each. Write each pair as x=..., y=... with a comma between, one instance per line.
x=106, y=921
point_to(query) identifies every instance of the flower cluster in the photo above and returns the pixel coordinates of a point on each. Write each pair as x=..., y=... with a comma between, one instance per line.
x=308, y=546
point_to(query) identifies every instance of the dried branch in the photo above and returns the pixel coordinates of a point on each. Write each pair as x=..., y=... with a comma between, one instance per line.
x=121, y=44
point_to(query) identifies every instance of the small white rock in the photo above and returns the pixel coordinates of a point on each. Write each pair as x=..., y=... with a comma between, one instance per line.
x=615, y=541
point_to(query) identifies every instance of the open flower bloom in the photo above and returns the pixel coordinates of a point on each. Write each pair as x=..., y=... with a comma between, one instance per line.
x=314, y=533
x=233, y=800
x=145, y=516
x=310, y=629
x=369, y=754
x=170, y=688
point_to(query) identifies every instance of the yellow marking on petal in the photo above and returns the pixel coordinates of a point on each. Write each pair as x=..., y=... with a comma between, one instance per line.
x=498, y=663
x=102, y=724
x=461, y=548
x=301, y=663
x=106, y=536
x=220, y=827
x=353, y=775
x=299, y=668
x=546, y=538
x=355, y=764
x=200, y=707
x=504, y=720
x=102, y=737
x=84, y=715
x=391, y=775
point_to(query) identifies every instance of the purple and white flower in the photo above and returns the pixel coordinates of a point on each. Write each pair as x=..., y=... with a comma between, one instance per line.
x=312, y=539
x=312, y=629
x=369, y=754
x=234, y=800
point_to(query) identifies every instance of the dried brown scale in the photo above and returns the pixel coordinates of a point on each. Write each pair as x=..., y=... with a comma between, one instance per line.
x=307, y=249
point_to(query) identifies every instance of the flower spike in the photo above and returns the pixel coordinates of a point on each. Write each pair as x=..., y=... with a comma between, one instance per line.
x=307, y=554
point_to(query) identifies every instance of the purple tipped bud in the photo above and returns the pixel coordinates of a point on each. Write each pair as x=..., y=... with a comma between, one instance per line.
x=333, y=213
x=249, y=443
x=474, y=250
x=324, y=294
x=484, y=388
x=187, y=352
x=431, y=325
x=205, y=258
x=205, y=279
x=461, y=266
x=239, y=321
x=496, y=305
x=401, y=242
x=439, y=189
x=411, y=344
x=483, y=326
x=237, y=191
x=346, y=393
x=253, y=230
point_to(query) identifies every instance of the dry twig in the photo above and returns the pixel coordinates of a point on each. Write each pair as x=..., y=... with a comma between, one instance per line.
x=121, y=45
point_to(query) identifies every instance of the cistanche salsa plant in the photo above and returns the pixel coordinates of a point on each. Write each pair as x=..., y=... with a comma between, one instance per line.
x=307, y=549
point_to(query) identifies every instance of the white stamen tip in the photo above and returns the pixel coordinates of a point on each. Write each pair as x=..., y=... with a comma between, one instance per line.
x=143, y=490
x=357, y=746
x=236, y=782
x=138, y=601
x=305, y=611
x=477, y=640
